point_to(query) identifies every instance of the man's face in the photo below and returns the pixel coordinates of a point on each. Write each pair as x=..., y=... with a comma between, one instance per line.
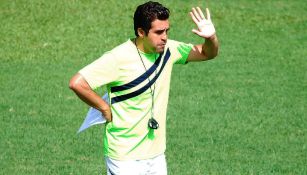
x=157, y=36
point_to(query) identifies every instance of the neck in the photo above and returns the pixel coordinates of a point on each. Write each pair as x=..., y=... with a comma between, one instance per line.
x=139, y=42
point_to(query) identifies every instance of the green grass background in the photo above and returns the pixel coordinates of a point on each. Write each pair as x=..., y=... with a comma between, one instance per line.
x=242, y=113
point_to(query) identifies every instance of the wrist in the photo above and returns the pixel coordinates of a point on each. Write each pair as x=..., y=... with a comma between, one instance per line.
x=107, y=114
x=212, y=37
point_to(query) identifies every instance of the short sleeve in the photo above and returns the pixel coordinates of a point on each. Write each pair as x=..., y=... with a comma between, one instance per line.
x=102, y=71
x=180, y=51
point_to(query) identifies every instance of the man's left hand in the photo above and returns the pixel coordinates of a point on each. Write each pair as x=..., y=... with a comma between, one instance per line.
x=205, y=26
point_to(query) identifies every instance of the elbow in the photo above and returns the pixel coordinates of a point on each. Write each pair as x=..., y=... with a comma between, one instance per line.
x=214, y=53
x=73, y=84
x=211, y=56
x=78, y=84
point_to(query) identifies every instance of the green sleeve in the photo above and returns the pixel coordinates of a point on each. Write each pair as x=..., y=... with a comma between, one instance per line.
x=184, y=50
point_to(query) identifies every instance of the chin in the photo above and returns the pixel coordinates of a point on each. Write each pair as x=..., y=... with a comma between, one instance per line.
x=160, y=50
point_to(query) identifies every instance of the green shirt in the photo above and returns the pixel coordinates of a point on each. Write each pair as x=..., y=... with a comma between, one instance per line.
x=130, y=86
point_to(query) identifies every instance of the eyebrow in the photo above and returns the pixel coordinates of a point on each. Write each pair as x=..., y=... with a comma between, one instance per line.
x=162, y=30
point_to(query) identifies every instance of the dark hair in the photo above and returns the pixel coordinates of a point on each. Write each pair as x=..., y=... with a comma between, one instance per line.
x=148, y=12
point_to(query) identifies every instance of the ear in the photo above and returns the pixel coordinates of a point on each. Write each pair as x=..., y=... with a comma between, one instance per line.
x=141, y=32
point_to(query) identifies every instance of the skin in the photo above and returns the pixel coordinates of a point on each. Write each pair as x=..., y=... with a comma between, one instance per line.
x=154, y=42
x=209, y=49
x=80, y=86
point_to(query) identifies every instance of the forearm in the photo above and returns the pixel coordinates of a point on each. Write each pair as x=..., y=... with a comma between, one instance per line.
x=90, y=97
x=210, y=47
x=94, y=100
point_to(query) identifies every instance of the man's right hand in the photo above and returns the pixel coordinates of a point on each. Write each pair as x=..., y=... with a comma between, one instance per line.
x=80, y=86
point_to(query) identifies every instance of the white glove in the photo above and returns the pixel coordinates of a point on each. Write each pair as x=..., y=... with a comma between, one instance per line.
x=205, y=26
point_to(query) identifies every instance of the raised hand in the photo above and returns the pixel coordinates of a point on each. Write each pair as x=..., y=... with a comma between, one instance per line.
x=205, y=26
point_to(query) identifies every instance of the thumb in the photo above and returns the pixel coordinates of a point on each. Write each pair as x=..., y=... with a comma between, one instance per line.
x=196, y=31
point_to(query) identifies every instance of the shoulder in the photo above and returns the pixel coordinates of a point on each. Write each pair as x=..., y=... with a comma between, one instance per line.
x=178, y=46
x=172, y=43
x=117, y=52
x=179, y=50
x=124, y=53
x=123, y=48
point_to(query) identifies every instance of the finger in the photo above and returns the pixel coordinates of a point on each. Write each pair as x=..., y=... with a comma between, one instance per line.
x=195, y=31
x=208, y=14
x=193, y=18
x=200, y=12
x=196, y=14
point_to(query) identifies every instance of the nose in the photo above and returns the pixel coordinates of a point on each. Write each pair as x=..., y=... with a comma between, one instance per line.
x=164, y=36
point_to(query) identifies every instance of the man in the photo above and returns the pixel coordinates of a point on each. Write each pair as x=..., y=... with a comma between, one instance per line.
x=137, y=76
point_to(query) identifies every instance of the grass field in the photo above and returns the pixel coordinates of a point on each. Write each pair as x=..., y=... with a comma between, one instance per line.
x=242, y=113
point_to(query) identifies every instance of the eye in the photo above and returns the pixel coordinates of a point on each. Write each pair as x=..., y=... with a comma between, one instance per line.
x=159, y=32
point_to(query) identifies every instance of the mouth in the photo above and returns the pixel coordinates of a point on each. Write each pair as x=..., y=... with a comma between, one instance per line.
x=162, y=45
